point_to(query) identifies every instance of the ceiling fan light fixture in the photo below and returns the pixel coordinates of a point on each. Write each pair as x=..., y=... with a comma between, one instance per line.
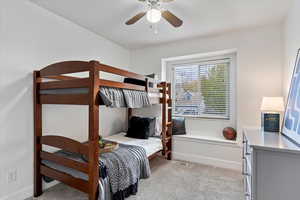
x=153, y=15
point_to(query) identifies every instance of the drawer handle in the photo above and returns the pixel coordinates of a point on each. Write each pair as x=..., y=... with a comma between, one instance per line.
x=246, y=174
x=248, y=154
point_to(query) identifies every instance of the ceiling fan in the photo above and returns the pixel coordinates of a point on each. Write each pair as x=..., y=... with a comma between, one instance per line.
x=154, y=13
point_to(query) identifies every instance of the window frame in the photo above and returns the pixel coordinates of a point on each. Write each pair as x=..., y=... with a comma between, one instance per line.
x=205, y=60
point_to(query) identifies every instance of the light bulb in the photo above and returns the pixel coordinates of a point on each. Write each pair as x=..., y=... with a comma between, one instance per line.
x=153, y=15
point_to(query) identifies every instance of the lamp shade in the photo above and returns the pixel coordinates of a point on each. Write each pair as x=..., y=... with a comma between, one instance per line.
x=272, y=104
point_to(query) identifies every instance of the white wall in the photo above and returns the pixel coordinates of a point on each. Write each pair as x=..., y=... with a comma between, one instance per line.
x=291, y=44
x=259, y=65
x=31, y=38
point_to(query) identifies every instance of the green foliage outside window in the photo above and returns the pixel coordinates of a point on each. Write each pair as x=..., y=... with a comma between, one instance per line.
x=214, y=89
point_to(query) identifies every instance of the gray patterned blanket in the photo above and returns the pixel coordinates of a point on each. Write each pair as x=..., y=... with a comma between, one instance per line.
x=120, y=171
x=117, y=98
x=124, y=168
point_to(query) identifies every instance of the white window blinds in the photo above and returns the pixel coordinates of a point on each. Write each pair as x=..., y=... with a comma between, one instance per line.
x=202, y=89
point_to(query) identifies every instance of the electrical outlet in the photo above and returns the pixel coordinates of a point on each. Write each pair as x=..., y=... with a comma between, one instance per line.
x=12, y=175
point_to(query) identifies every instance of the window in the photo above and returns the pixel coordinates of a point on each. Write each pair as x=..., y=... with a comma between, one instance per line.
x=202, y=89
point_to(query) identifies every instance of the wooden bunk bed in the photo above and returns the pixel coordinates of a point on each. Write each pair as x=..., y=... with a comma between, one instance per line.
x=57, y=72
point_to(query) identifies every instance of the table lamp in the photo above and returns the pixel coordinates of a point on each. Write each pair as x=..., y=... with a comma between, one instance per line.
x=270, y=117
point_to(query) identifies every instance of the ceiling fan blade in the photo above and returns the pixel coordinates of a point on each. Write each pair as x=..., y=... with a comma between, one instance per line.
x=166, y=1
x=135, y=18
x=171, y=18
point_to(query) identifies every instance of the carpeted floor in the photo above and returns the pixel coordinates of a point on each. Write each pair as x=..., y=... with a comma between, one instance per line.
x=173, y=180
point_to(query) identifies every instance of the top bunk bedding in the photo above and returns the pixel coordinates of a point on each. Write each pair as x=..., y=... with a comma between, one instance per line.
x=111, y=97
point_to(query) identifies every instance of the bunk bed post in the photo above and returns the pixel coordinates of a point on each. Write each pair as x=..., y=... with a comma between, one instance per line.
x=129, y=113
x=147, y=84
x=164, y=120
x=169, y=156
x=93, y=131
x=37, y=112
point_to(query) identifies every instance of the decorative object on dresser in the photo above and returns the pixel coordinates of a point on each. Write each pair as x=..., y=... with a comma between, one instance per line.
x=270, y=117
x=270, y=166
x=229, y=133
x=291, y=120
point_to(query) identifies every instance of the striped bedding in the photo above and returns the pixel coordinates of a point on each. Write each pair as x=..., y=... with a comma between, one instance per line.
x=124, y=168
x=120, y=171
x=116, y=98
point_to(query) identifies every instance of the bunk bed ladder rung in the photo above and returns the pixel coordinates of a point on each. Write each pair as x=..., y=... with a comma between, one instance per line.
x=166, y=102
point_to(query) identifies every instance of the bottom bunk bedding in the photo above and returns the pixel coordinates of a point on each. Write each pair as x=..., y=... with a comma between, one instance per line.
x=124, y=168
x=120, y=170
x=151, y=145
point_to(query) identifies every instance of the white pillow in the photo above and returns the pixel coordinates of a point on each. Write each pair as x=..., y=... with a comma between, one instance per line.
x=158, y=126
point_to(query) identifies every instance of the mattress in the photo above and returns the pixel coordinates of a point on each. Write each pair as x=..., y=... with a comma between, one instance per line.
x=111, y=97
x=66, y=91
x=151, y=145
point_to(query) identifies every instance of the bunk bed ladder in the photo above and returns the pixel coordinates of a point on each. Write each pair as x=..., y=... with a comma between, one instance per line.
x=167, y=120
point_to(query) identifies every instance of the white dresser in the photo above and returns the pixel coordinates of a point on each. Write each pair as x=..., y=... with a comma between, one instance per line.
x=271, y=166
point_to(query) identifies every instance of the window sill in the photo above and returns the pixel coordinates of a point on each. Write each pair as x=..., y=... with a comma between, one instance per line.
x=202, y=117
x=207, y=139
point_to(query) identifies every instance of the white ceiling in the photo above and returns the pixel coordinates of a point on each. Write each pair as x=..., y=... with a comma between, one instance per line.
x=201, y=18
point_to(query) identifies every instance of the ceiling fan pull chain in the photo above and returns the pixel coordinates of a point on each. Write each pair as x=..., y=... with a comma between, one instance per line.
x=155, y=29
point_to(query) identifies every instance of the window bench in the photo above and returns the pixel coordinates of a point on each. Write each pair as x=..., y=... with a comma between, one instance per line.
x=208, y=150
x=210, y=139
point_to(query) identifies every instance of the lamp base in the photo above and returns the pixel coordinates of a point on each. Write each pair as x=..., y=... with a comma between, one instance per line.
x=270, y=122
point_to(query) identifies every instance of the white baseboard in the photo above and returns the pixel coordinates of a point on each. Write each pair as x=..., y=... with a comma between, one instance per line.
x=227, y=164
x=26, y=192
x=20, y=195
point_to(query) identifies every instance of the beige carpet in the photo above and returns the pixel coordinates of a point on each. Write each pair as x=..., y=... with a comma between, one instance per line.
x=173, y=180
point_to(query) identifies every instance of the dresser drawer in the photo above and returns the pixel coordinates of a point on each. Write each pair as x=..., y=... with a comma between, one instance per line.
x=246, y=148
x=247, y=187
x=248, y=198
x=247, y=170
x=247, y=157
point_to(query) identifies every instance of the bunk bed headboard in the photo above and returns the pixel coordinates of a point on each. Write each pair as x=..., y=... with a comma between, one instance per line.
x=57, y=71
